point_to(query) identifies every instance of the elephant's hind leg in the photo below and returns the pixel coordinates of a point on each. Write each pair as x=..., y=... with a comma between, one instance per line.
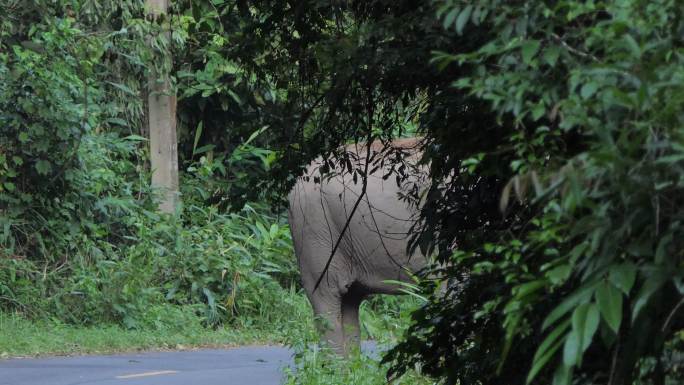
x=351, y=301
x=327, y=308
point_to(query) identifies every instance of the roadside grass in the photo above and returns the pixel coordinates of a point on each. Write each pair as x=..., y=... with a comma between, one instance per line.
x=20, y=337
x=167, y=327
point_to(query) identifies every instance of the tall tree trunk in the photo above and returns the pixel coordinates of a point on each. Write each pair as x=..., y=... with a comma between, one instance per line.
x=162, y=127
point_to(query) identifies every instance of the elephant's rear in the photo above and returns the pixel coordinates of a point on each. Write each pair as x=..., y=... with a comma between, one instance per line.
x=371, y=245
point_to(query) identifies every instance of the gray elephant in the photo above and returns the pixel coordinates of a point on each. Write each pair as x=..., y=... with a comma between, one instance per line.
x=372, y=249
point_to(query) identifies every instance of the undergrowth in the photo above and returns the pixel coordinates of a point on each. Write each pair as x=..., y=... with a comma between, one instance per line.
x=384, y=320
x=316, y=366
x=102, y=254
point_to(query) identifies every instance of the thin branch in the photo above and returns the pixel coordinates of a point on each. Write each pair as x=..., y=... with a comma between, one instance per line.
x=674, y=311
x=349, y=218
x=572, y=49
x=614, y=365
x=369, y=145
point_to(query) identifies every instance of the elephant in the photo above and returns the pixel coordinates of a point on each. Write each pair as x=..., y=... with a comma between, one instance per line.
x=370, y=247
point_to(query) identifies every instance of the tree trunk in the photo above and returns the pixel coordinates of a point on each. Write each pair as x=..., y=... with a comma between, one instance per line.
x=162, y=128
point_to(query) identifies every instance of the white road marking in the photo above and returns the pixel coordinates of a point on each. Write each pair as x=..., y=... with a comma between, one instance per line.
x=147, y=374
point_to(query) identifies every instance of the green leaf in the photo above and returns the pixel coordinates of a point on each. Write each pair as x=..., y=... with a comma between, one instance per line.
x=670, y=159
x=529, y=49
x=211, y=299
x=450, y=17
x=118, y=122
x=547, y=349
x=562, y=375
x=591, y=324
x=661, y=250
x=632, y=45
x=124, y=88
x=571, y=349
x=136, y=138
x=273, y=231
x=585, y=320
x=559, y=274
x=623, y=276
x=581, y=295
x=609, y=300
x=652, y=284
x=255, y=134
x=43, y=167
x=235, y=96
x=463, y=18
x=588, y=89
x=23, y=137
x=541, y=362
x=551, y=55
x=205, y=148
x=528, y=288
x=198, y=134
x=538, y=111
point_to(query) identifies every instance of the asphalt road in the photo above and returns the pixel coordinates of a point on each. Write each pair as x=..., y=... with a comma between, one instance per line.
x=248, y=365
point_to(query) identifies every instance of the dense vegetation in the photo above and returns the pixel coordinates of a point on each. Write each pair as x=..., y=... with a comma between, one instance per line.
x=82, y=240
x=552, y=131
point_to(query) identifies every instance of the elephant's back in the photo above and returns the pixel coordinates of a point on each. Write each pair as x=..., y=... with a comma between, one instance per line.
x=389, y=194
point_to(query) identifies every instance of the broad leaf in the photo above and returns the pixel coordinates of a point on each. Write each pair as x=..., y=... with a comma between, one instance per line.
x=623, y=276
x=463, y=18
x=652, y=284
x=609, y=300
x=547, y=349
x=529, y=49
x=581, y=295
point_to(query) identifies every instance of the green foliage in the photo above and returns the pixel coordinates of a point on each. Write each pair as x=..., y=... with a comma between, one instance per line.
x=315, y=366
x=228, y=267
x=224, y=111
x=66, y=80
x=36, y=141
x=385, y=318
x=226, y=180
x=81, y=241
x=77, y=234
x=588, y=275
x=232, y=263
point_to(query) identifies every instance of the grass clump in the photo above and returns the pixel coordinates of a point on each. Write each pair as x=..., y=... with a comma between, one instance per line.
x=317, y=366
x=384, y=319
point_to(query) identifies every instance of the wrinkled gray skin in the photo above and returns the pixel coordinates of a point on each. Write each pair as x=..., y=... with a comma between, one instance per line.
x=372, y=250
